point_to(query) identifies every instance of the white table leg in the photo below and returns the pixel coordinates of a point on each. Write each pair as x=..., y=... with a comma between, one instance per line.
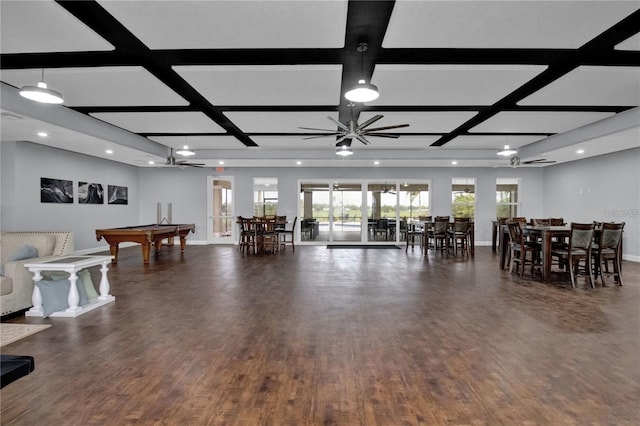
x=74, y=297
x=104, y=283
x=36, y=296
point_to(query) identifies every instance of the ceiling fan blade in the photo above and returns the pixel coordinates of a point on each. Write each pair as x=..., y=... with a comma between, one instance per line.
x=321, y=136
x=362, y=139
x=539, y=161
x=343, y=138
x=381, y=135
x=397, y=126
x=370, y=121
x=339, y=124
x=313, y=128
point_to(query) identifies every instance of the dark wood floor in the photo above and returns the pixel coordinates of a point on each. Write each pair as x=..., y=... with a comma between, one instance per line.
x=340, y=337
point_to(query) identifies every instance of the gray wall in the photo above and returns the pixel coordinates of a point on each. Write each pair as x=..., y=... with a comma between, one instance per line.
x=584, y=190
x=23, y=164
x=604, y=188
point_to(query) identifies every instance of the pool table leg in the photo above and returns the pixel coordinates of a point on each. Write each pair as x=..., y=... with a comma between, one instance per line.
x=183, y=243
x=158, y=244
x=113, y=248
x=146, y=248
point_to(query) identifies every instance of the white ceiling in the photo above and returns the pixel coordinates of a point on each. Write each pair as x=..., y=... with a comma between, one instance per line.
x=221, y=75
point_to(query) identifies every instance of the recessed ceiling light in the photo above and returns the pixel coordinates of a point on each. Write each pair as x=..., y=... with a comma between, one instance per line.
x=43, y=134
x=152, y=162
x=109, y=151
x=454, y=162
x=298, y=162
x=376, y=162
x=580, y=151
x=221, y=162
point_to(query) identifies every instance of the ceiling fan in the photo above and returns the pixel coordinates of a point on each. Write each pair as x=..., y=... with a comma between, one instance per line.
x=515, y=161
x=387, y=190
x=353, y=130
x=171, y=161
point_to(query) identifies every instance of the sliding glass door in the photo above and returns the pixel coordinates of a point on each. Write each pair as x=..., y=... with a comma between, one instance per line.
x=360, y=212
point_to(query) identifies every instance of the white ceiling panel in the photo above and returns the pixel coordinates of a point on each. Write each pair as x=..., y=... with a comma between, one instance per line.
x=104, y=86
x=490, y=142
x=632, y=43
x=589, y=85
x=233, y=24
x=266, y=85
x=161, y=122
x=448, y=84
x=501, y=24
x=403, y=142
x=536, y=121
x=44, y=26
x=427, y=122
x=282, y=122
x=200, y=142
x=294, y=143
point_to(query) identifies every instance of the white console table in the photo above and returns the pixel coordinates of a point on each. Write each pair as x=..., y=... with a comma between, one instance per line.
x=72, y=265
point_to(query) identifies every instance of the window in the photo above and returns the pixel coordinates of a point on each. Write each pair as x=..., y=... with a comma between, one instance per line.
x=265, y=196
x=507, y=197
x=463, y=197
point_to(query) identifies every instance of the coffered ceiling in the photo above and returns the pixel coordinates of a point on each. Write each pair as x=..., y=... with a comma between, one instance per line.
x=236, y=80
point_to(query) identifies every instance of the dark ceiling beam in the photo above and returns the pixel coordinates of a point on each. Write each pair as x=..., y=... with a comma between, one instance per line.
x=600, y=45
x=98, y=19
x=320, y=57
x=367, y=22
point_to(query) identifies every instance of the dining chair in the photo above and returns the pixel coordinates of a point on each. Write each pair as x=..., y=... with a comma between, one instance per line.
x=438, y=235
x=579, y=248
x=268, y=235
x=283, y=233
x=522, y=252
x=541, y=222
x=607, y=249
x=459, y=235
x=247, y=239
x=381, y=228
x=556, y=221
x=414, y=233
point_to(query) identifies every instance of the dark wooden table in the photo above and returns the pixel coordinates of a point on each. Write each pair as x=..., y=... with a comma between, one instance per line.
x=546, y=234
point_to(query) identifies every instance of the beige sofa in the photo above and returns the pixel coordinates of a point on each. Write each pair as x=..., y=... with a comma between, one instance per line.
x=16, y=282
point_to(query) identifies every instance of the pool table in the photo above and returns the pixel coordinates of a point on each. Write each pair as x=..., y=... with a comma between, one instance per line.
x=145, y=235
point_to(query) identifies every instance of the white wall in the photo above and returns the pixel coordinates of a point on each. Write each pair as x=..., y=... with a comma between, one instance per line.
x=24, y=163
x=604, y=188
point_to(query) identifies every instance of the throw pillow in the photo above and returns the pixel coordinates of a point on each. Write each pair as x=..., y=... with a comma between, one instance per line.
x=25, y=252
x=61, y=275
x=89, y=288
x=54, y=295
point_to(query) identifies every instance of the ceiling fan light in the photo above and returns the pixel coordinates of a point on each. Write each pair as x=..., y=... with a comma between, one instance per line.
x=185, y=151
x=506, y=151
x=344, y=151
x=362, y=92
x=42, y=94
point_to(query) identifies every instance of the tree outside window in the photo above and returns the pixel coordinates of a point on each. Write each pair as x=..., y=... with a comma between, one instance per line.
x=463, y=197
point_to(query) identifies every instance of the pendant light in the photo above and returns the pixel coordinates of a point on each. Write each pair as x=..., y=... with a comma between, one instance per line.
x=41, y=93
x=506, y=151
x=363, y=91
x=344, y=151
x=185, y=151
